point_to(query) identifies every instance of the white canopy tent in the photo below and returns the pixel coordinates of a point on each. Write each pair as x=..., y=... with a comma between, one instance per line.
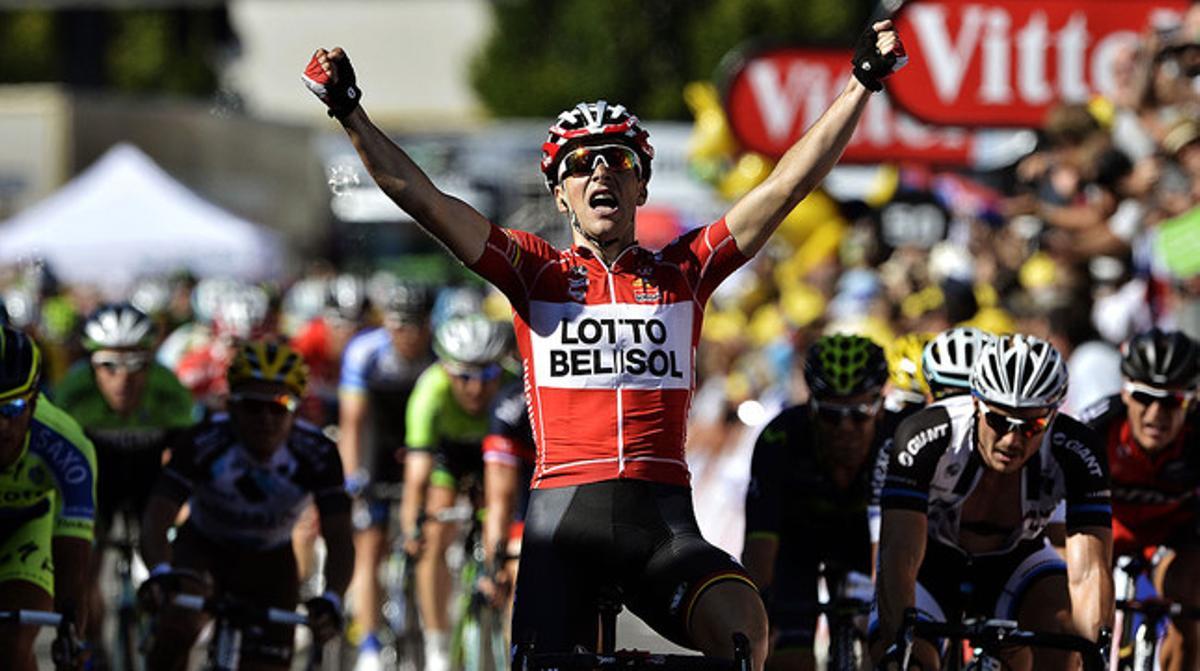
x=125, y=217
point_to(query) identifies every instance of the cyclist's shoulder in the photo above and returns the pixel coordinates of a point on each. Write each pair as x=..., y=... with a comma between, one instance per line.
x=54, y=433
x=78, y=384
x=508, y=407
x=1102, y=413
x=310, y=445
x=790, y=425
x=1076, y=447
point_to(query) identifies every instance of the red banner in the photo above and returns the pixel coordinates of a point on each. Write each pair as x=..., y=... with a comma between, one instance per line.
x=773, y=96
x=1006, y=62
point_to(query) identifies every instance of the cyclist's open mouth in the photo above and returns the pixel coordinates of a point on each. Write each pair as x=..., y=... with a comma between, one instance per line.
x=604, y=203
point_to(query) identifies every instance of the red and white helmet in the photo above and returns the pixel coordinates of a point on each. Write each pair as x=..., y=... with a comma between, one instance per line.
x=587, y=121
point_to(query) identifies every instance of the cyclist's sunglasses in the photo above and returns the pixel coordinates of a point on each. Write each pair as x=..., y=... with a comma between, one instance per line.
x=471, y=373
x=14, y=407
x=269, y=402
x=1026, y=428
x=835, y=412
x=581, y=161
x=1169, y=398
x=111, y=362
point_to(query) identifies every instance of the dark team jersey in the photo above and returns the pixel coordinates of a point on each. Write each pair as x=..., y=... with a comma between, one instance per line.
x=934, y=466
x=236, y=499
x=510, y=437
x=1154, y=494
x=791, y=492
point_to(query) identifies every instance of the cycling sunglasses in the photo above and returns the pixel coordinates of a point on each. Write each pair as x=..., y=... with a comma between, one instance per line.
x=111, y=362
x=14, y=408
x=269, y=402
x=582, y=161
x=836, y=412
x=1026, y=428
x=1169, y=398
x=470, y=373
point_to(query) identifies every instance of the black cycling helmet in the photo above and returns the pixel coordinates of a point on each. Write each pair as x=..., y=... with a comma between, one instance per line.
x=1167, y=359
x=844, y=365
x=20, y=364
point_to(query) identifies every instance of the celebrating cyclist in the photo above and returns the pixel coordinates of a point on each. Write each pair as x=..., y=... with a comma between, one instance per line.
x=607, y=331
x=379, y=369
x=246, y=476
x=127, y=403
x=810, y=485
x=47, y=501
x=971, y=485
x=1151, y=430
x=447, y=420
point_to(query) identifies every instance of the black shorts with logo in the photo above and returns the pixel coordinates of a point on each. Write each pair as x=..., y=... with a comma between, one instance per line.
x=636, y=536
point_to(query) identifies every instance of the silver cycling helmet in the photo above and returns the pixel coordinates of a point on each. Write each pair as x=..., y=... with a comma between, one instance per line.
x=948, y=359
x=118, y=326
x=1019, y=371
x=472, y=340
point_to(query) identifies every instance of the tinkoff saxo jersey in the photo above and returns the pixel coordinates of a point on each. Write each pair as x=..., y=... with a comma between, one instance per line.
x=609, y=351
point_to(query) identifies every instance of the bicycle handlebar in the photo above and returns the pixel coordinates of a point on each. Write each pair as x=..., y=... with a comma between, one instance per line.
x=992, y=635
x=218, y=607
x=38, y=618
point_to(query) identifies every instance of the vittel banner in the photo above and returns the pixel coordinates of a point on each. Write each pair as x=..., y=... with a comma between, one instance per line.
x=1006, y=62
x=604, y=346
x=773, y=96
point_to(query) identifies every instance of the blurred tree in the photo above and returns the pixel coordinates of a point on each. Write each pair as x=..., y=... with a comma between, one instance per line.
x=544, y=55
x=136, y=51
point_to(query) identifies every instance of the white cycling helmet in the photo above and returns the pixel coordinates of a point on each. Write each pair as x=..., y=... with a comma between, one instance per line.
x=118, y=326
x=472, y=340
x=948, y=359
x=1019, y=371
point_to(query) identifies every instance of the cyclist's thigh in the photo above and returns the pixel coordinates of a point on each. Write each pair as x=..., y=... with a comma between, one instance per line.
x=267, y=578
x=1034, y=585
x=17, y=641
x=681, y=564
x=176, y=627
x=792, y=598
x=441, y=497
x=1180, y=578
x=556, y=590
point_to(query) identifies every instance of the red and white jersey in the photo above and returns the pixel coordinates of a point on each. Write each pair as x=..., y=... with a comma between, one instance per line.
x=609, y=351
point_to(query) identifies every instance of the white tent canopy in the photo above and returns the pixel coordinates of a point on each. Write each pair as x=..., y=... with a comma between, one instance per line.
x=125, y=217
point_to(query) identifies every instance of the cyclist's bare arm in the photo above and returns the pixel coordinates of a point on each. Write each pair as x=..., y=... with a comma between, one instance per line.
x=156, y=521
x=902, y=549
x=457, y=225
x=500, y=482
x=352, y=420
x=338, y=532
x=71, y=556
x=1089, y=575
x=758, y=556
x=754, y=218
x=418, y=466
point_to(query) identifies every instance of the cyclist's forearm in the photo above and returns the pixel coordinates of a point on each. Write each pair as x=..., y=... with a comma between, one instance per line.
x=156, y=521
x=902, y=549
x=338, y=534
x=71, y=556
x=418, y=465
x=352, y=419
x=1090, y=581
x=500, y=488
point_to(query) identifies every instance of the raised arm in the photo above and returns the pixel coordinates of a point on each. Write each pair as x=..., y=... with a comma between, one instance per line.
x=454, y=223
x=755, y=217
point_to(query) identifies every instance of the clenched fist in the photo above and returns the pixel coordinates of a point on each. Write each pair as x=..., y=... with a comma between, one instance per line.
x=330, y=77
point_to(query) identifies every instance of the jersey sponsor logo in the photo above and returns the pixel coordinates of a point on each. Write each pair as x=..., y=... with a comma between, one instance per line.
x=1085, y=455
x=577, y=283
x=612, y=345
x=914, y=445
x=1144, y=496
x=66, y=459
x=645, y=292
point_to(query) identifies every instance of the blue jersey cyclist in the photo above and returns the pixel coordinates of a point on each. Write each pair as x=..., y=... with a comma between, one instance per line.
x=47, y=501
